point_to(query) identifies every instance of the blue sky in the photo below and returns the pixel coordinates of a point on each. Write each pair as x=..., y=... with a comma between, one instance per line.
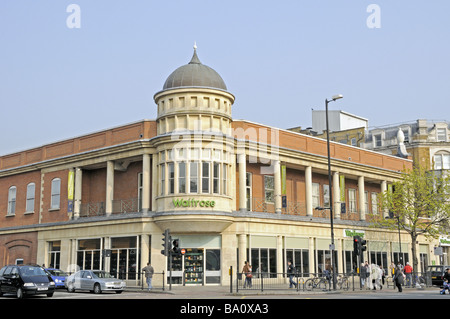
x=279, y=58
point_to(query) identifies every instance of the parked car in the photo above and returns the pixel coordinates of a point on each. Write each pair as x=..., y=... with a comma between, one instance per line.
x=436, y=273
x=95, y=281
x=23, y=280
x=58, y=276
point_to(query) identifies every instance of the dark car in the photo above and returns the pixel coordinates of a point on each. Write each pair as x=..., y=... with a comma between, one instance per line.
x=23, y=280
x=436, y=273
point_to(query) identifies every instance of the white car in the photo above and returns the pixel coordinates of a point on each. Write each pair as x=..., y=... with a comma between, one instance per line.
x=95, y=281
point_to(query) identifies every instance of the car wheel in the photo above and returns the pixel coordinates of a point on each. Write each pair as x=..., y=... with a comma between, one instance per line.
x=119, y=291
x=70, y=287
x=19, y=293
x=97, y=289
x=50, y=294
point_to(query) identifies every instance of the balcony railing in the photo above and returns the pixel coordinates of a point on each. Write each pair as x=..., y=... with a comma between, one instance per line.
x=119, y=206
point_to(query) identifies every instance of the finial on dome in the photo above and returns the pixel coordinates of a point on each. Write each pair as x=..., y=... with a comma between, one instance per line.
x=195, y=59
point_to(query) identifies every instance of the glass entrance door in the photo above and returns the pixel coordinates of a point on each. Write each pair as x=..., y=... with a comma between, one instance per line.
x=193, y=266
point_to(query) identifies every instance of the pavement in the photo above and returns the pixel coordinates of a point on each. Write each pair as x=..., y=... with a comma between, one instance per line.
x=224, y=291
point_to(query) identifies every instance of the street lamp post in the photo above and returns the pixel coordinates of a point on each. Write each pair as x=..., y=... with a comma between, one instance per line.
x=333, y=262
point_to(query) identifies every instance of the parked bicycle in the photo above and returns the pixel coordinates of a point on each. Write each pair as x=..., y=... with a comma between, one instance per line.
x=321, y=283
x=342, y=282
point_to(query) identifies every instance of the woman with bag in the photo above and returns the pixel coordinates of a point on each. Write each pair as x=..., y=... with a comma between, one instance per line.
x=247, y=271
x=398, y=278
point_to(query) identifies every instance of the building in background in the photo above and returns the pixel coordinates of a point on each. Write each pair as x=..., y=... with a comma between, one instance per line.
x=229, y=190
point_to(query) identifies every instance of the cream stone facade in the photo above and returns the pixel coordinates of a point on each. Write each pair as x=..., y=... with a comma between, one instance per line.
x=229, y=190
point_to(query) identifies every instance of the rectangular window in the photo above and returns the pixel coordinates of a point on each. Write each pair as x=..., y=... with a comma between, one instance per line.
x=352, y=200
x=216, y=180
x=205, y=177
x=181, y=177
x=171, y=172
x=326, y=196
x=374, y=203
x=12, y=200
x=193, y=177
x=224, y=179
x=163, y=179
x=377, y=139
x=248, y=189
x=30, y=197
x=315, y=195
x=366, y=201
x=441, y=134
x=56, y=192
x=269, y=188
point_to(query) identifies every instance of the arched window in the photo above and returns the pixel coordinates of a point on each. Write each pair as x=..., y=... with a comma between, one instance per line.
x=12, y=200
x=56, y=192
x=442, y=160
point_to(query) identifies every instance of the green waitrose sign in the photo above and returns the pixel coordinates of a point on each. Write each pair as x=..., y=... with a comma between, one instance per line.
x=192, y=202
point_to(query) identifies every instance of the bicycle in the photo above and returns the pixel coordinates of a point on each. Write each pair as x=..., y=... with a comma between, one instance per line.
x=342, y=282
x=317, y=282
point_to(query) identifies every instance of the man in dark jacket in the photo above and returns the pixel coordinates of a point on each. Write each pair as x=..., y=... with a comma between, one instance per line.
x=291, y=271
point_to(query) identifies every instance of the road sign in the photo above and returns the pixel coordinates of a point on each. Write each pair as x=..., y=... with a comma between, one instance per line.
x=183, y=251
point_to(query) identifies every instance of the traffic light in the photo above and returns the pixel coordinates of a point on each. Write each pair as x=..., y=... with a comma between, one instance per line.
x=356, y=246
x=362, y=247
x=167, y=243
x=175, y=246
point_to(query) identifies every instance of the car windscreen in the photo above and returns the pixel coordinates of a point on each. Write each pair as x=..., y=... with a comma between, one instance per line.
x=32, y=271
x=102, y=274
x=57, y=272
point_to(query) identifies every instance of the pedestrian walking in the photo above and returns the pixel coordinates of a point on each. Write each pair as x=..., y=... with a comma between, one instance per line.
x=291, y=272
x=408, y=273
x=148, y=270
x=247, y=271
x=398, y=278
x=362, y=275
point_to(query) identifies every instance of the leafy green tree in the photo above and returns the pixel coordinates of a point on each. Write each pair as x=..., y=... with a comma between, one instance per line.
x=418, y=204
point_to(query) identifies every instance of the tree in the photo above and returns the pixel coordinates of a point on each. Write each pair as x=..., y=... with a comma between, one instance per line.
x=418, y=204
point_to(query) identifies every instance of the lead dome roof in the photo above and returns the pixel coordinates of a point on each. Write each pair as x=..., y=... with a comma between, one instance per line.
x=194, y=74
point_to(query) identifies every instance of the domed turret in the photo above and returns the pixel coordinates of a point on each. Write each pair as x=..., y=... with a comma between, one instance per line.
x=194, y=74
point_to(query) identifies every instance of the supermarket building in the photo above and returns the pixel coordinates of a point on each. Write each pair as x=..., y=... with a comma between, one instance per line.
x=230, y=190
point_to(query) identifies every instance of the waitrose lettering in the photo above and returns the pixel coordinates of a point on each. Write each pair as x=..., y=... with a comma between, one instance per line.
x=192, y=202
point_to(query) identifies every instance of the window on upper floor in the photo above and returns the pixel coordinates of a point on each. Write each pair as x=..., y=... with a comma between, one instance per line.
x=269, y=188
x=442, y=161
x=441, y=134
x=12, y=200
x=352, y=200
x=56, y=193
x=377, y=140
x=315, y=195
x=31, y=188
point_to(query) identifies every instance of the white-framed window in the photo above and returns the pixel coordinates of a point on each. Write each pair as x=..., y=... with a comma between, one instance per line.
x=441, y=134
x=181, y=177
x=315, y=195
x=216, y=177
x=269, y=189
x=193, y=177
x=56, y=194
x=377, y=140
x=248, y=190
x=163, y=178
x=205, y=177
x=442, y=161
x=12, y=200
x=366, y=201
x=224, y=178
x=140, y=188
x=374, y=199
x=171, y=177
x=31, y=190
x=352, y=200
x=326, y=196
